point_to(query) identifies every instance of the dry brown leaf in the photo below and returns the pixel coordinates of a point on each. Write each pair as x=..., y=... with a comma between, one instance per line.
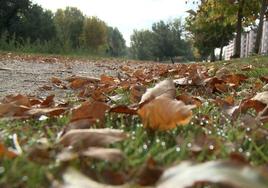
x=56, y=80
x=164, y=113
x=189, y=100
x=264, y=79
x=17, y=100
x=255, y=104
x=124, y=110
x=107, y=80
x=9, y=110
x=136, y=93
x=79, y=83
x=46, y=88
x=149, y=173
x=234, y=79
x=165, y=87
x=51, y=112
x=90, y=110
x=4, y=152
x=49, y=101
x=85, y=138
x=73, y=178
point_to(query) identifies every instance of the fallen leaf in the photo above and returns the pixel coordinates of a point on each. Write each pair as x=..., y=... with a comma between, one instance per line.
x=164, y=113
x=94, y=110
x=107, y=80
x=165, y=87
x=124, y=110
x=149, y=173
x=51, y=112
x=85, y=138
x=78, y=82
x=56, y=80
x=255, y=104
x=72, y=178
x=10, y=110
x=17, y=100
x=49, y=101
x=136, y=93
x=4, y=152
x=234, y=79
x=261, y=97
x=189, y=100
x=230, y=173
x=264, y=79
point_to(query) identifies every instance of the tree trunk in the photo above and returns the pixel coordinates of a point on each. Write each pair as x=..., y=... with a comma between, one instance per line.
x=239, y=29
x=212, y=56
x=221, y=52
x=172, y=60
x=257, y=49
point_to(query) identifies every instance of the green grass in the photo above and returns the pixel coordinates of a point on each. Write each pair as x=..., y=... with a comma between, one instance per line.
x=223, y=136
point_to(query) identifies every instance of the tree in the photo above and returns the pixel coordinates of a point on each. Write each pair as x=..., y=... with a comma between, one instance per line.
x=210, y=28
x=246, y=11
x=162, y=43
x=69, y=25
x=263, y=9
x=241, y=13
x=94, y=33
x=34, y=24
x=116, y=42
x=167, y=38
x=11, y=10
x=142, y=45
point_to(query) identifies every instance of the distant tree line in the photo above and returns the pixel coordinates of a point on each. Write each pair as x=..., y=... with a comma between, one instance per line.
x=216, y=22
x=163, y=42
x=26, y=25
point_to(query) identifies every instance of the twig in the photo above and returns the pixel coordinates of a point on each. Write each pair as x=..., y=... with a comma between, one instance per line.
x=5, y=69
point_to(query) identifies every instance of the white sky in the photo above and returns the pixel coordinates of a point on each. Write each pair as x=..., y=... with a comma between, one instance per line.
x=126, y=15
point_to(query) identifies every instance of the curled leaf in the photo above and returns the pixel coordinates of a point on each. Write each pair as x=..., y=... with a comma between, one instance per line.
x=92, y=137
x=164, y=113
x=186, y=175
x=165, y=87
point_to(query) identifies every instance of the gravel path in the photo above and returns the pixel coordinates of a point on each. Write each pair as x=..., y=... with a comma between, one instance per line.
x=26, y=74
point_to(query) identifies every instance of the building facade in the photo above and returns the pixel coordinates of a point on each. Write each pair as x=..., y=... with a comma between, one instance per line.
x=248, y=40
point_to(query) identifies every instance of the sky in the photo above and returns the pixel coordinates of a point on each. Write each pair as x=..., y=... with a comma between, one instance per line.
x=126, y=15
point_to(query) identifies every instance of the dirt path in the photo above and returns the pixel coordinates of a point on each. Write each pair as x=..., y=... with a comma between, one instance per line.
x=27, y=74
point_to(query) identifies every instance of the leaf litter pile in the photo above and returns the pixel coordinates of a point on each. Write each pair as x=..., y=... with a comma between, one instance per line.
x=185, y=125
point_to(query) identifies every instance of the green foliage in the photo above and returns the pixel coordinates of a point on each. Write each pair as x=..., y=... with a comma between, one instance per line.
x=162, y=43
x=210, y=27
x=116, y=42
x=94, y=33
x=142, y=45
x=10, y=10
x=27, y=27
x=220, y=19
x=69, y=24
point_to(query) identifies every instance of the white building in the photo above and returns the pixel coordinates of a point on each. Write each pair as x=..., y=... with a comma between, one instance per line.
x=229, y=50
x=248, y=40
x=264, y=42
